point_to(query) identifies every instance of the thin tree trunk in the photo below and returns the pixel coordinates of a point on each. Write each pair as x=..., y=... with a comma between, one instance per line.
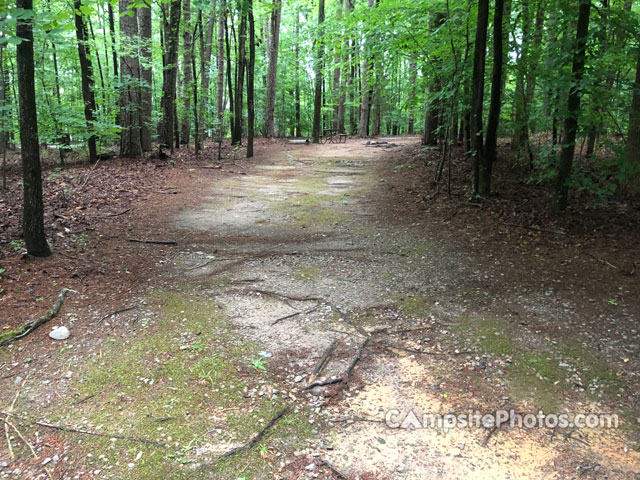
x=146, y=75
x=169, y=124
x=365, y=91
x=206, y=47
x=187, y=71
x=33, y=211
x=298, y=132
x=4, y=119
x=220, y=72
x=272, y=71
x=630, y=184
x=477, y=91
x=236, y=135
x=565, y=162
x=486, y=165
x=412, y=95
x=130, y=143
x=317, y=99
x=229, y=82
x=250, y=82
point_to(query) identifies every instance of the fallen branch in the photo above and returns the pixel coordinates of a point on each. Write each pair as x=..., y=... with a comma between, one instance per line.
x=30, y=326
x=534, y=229
x=324, y=383
x=335, y=471
x=356, y=359
x=295, y=314
x=258, y=437
x=122, y=310
x=424, y=352
x=64, y=428
x=324, y=359
x=156, y=242
x=485, y=442
x=117, y=214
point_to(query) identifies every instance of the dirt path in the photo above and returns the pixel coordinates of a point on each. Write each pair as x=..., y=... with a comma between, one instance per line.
x=295, y=260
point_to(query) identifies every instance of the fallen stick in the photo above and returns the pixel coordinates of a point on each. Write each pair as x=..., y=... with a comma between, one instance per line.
x=117, y=214
x=485, y=442
x=356, y=359
x=30, y=326
x=295, y=314
x=96, y=434
x=258, y=437
x=423, y=352
x=156, y=242
x=335, y=471
x=333, y=381
x=122, y=310
x=324, y=358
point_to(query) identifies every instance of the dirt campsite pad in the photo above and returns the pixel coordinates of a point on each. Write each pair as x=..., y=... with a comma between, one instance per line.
x=300, y=314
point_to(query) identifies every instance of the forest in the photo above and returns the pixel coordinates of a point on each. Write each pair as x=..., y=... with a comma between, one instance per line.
x=259, y=239
x=557, y=79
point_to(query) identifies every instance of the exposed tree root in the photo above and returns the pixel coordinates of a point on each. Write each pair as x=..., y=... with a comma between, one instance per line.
x=30, y=326
x=258, y=437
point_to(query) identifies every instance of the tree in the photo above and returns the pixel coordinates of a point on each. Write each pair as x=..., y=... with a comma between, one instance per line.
x=484, y=185
x=220, y=74
x=477, y=91
x=130, y=141
x=146, y=76
x=236, y=133
x=250, y=81
x=187, y=73
x=168, y=125
x=86, y=73
x=33, y=211
x=412, y=96
x=317, y=97
x=272, y=73
x=631, y=181
x=565, y=162
x=365, y=90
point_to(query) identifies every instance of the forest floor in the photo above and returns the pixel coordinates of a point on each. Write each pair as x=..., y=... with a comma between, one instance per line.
x=305, y=301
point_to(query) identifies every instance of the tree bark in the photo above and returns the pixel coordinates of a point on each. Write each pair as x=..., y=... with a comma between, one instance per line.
x=168, y=126
x=130, y=141
x=33, y=211
x=220, y=72
x=630, y=184
x=317, y=99
x=565, y=162
x=187, y=73
x=250, y=81
x=206, y=48
x=236, y=135
x=477, y=91
x=298, y=132
x=146, y=75
x=272, y=71
x=412, y=95
x=365, y=90
x=86, y=72
x=486, y=165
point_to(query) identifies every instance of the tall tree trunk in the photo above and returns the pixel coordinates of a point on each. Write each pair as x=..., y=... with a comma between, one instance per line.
x=493, y=120
x=365, y=90
x=33, y=211
x=146, y=75
x=412, y=95
x=272, y=71
x=630, y=184
x=317, y=99
x=250, y=81
x=477, y=91
x=168, y=126
x=434, y=106
x=220, y=72
x=236, y=135
x=206, y=48
x=229, y=82
x=130, y=141
x=187, y=78
x=298, y=132
x=565, y=162
x=86, y=72
x=114, y=51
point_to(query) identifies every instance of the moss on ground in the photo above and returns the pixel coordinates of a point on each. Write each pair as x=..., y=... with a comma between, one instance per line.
x=415, y=305
x=307, y=274
x=171, y=385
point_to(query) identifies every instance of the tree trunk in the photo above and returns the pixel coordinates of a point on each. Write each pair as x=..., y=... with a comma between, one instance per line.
x=86, y=72
x=317, y=99
x=490, y=149
x=298, y=132
x=220, y=72
x=565, y=162
x=130, y=141
x=250, y=82
x=168, y=126
x=146, y=75
x=412, y=95
x=114, y=53
x=272, y=71
x=630, y=184
x=206, y=48
x=229, y=82
x=477, y=91
x=187, y=73
x=33, y=211
x=236, y=135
